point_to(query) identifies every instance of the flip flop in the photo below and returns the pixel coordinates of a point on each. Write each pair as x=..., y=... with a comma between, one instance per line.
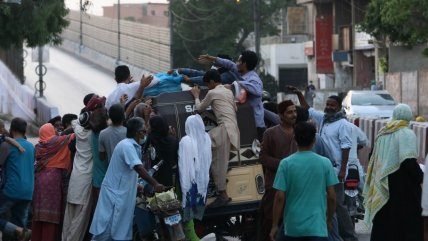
x=219, y=202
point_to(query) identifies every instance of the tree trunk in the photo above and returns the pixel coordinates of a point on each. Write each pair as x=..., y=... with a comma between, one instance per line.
x=14, y=60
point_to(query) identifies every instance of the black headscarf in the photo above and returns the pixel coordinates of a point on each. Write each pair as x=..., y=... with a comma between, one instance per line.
x=166, y=148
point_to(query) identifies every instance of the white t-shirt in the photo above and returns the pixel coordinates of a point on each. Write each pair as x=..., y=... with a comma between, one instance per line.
x=121, y=89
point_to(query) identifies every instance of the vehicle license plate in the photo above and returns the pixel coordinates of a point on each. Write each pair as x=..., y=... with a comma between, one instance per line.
x=172, y=220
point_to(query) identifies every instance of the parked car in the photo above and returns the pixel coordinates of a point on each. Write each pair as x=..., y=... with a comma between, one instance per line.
x=367, y=103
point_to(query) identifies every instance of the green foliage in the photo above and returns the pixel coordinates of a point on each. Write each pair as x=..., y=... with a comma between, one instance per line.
x=35, y=22
x=269, y=83
x=399, y=21
x=383, y=64
x=218, y=26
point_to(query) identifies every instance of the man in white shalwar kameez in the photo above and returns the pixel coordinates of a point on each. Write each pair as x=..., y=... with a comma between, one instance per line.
x=115, y=208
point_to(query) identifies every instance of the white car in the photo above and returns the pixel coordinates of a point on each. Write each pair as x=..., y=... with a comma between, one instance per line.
x=369, y=104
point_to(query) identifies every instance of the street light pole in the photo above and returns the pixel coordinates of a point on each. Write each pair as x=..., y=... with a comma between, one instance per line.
x=118, y=32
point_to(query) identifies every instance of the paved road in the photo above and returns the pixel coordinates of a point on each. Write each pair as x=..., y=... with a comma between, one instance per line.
x=69, y=79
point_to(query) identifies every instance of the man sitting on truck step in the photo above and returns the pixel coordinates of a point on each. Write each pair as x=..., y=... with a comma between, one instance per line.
x=225, y=135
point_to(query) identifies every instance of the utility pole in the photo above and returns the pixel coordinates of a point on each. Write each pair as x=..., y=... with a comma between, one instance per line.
x=354, y=52
x=118, y=32
x=40, y=71
x=171, y=21
x=257, y=28
x=81, y=26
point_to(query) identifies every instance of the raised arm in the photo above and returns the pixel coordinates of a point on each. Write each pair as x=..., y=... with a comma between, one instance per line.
x=301, y=97
x=201, y=105
x=14, y=143
x=191, y=72
x=144, y=82
x=228, y=64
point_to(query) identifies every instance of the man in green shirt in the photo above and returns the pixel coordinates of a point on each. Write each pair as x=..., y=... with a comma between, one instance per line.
x=305, y=193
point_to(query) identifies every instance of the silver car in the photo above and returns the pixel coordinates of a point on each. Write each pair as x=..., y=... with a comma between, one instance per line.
x=369, y=104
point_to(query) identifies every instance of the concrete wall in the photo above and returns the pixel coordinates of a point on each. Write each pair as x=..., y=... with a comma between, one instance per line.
x=147, y=47
x=423, y=89
x=19, y=101
x=407, y=59
x=410, y=88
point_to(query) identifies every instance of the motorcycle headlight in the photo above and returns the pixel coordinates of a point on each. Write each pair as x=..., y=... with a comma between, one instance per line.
x=260, y=184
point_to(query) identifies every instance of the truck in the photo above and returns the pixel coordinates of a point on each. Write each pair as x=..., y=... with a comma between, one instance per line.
x=245, y=180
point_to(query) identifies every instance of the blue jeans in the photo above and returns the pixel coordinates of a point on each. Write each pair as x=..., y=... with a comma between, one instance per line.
x=18, y=208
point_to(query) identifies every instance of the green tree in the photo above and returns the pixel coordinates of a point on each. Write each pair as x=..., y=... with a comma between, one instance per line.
x=34, y=22
x=398, y=21
x=218, y=26
x=269, y=83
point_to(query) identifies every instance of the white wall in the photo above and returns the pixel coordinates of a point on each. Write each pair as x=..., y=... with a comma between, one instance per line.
x=276, y=56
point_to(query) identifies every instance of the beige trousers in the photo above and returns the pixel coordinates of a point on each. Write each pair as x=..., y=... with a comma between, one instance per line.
x=76, y=220
x=220, y=154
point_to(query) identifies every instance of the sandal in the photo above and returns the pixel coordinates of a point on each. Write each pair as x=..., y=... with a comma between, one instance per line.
x=219, y=202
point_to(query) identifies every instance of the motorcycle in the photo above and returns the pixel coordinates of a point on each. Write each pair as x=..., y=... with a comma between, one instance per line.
x=157, y=215
x=353, y=195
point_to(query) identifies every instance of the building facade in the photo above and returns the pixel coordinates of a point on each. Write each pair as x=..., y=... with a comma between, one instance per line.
x=155, y=14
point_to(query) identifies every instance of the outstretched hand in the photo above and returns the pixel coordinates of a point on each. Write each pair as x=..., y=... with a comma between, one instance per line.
x=159, y=188
x=195, y=91
x=206, y=59
x=145, y=81
x=123, y=99
x=292, y=89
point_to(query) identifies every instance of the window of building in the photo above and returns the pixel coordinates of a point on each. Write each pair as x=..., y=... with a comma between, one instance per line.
x=153, y=13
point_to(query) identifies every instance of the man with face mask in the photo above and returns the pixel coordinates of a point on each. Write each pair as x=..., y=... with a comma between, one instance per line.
x=335, y=130
x=115, y=209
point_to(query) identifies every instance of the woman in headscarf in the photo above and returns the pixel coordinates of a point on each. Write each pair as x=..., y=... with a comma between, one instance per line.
x=52, y=162
x=194, y=161
x=162, y=146
x=393, y=186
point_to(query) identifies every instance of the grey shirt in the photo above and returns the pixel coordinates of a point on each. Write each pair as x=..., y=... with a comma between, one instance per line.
x=109, y=138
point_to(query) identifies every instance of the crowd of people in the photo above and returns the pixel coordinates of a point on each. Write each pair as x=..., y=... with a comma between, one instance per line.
x=80, y=181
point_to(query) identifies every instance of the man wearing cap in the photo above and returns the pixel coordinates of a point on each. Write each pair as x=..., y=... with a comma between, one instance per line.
x=335, y=130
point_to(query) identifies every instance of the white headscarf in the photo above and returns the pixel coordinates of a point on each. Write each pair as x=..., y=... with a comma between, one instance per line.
x=194, y=157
